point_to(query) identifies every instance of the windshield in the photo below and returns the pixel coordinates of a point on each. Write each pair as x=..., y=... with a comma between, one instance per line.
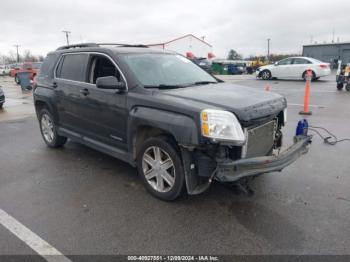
x=155, y=70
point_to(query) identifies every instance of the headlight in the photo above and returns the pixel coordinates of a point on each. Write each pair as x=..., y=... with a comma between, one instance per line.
x=285, y=116
x=221, y=125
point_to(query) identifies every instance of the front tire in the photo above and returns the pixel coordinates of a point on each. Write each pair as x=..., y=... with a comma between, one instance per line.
x=347, y=87
x=160, y=168
x=48, y=130
x=1, y=105
x=266, y=75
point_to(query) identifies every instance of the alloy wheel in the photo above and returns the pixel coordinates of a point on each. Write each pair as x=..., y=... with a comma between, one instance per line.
x=265, y=75
x=47, y=128
x=158, y=169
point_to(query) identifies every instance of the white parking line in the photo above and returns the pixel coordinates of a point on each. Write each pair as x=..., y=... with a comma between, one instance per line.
x=318, y=106
x=36, y=243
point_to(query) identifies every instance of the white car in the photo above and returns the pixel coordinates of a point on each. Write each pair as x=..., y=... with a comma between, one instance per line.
x=4, y=70
x=294, y=68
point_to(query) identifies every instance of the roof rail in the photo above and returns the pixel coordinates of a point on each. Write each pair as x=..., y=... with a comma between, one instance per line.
x=99, y=44
x=124, y=45
x=77, y=46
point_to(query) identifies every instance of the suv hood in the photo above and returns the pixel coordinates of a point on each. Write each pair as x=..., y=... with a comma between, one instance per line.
x=246, y=103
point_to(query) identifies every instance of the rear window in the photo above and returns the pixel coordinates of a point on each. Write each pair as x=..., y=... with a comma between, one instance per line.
x=315, y=60
x=36, y=65
x=48, y=65
x=73, y=67
x=301, y=61
x=27, y=66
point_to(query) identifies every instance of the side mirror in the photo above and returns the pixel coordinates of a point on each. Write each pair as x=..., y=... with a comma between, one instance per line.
x=276, y=63
x=110, y=82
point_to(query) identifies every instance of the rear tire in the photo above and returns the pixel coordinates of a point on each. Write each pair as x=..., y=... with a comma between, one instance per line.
x=340, y=86
x=313, y=78
x=266, y=75
x=1, y=105
x=160, y=168
x=48, y=130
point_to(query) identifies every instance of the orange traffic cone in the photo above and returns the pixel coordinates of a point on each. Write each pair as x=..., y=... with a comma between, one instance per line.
x=306, y=110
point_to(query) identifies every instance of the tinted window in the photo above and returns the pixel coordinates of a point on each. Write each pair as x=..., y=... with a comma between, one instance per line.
x=48, y=65
x=73, y=67
x=287, y=61
x=301, y=61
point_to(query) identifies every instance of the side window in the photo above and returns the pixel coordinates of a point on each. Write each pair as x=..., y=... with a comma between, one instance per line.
x=301, y=61
x=47, y=67
x=287, y=61
x=73, y=67
x=101, y=66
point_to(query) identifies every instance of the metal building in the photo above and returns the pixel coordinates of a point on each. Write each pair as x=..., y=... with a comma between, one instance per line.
x=330, y=52
x=187, y=44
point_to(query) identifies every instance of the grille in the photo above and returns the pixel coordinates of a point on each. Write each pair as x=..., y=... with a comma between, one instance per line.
x=260, y=140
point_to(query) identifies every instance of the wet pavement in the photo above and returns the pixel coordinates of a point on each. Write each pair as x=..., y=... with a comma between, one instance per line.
x=85, y=202
x=19, y=104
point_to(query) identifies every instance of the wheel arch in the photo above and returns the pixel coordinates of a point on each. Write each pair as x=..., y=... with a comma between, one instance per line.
x=144, y=132
x=314, y=76
x=268, y=70
x=147, y=122
x=39, y=104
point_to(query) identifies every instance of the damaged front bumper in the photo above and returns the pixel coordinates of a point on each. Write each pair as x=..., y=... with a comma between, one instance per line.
x=230, y=171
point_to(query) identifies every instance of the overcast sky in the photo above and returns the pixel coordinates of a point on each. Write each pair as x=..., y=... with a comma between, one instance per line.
x=241, y=25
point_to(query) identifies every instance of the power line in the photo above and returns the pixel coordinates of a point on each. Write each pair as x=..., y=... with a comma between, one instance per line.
x=67, y=35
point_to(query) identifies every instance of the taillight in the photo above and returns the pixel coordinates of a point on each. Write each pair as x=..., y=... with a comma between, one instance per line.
x=324, y=66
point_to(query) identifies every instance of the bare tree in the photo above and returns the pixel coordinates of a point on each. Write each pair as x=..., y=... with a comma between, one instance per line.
x=11, y=57
x=233, y=55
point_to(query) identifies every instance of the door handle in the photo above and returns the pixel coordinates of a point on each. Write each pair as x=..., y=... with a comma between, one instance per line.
x=84, y=91
x=54, y=85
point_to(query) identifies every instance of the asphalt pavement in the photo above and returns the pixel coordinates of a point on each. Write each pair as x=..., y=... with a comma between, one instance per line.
x=84, y=202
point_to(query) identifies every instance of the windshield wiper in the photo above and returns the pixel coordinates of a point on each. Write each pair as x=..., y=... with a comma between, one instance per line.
x=167, y=86
x=164, y=86
x=204, y=82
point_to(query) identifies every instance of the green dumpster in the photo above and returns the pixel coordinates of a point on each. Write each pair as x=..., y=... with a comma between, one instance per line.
x=219, y=68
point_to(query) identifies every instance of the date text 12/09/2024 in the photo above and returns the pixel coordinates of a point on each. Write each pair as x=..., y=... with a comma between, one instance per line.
x=173, y=258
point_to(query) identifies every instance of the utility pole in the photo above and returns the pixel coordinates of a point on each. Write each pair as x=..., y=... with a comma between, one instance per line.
x=17, y=46
x=268, y=49
x=67, y=35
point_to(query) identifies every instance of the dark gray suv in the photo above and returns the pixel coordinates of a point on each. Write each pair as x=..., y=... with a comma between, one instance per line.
x=181, y=127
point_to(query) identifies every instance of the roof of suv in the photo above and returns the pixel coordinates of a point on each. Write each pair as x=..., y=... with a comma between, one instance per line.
x=116, y=48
